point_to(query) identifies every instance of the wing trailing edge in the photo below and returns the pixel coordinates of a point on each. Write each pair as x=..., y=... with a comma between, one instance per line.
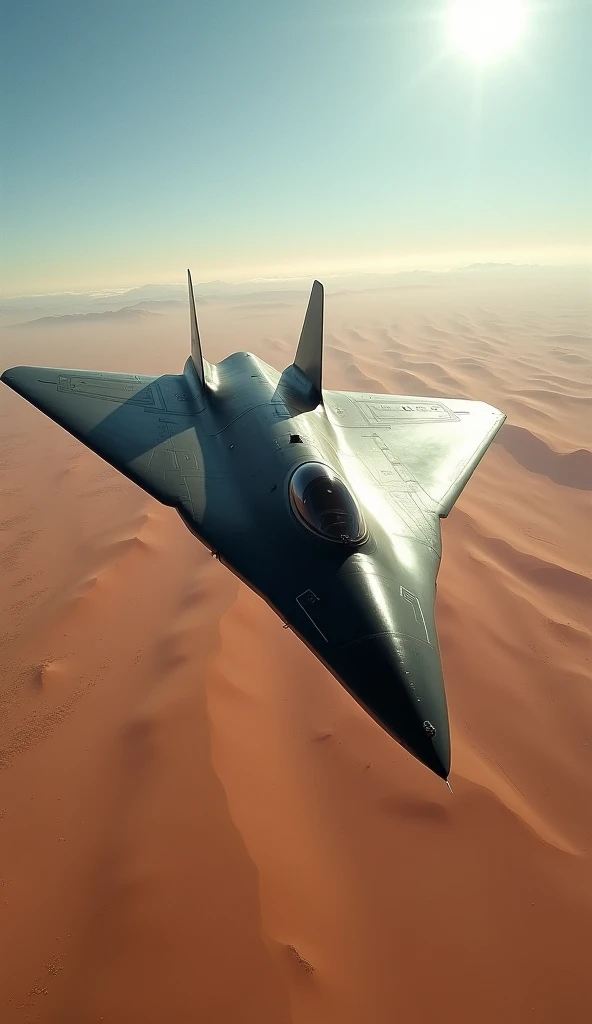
x=467, y=465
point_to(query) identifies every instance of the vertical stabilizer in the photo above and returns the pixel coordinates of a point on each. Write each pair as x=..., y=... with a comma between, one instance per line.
x=309, y=355
x=195, y=341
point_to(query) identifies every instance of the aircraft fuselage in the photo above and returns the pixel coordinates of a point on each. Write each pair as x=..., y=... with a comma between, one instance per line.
x=367, y=610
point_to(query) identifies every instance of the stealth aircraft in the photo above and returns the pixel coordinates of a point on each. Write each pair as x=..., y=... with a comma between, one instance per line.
x=326, y=503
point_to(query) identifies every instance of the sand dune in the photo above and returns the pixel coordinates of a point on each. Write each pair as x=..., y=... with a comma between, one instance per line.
x=196, y=821
x=570, y=469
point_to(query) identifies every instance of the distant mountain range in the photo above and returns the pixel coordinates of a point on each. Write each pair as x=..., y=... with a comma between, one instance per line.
x=126, y=313
x=150, y=304
x=102, y=306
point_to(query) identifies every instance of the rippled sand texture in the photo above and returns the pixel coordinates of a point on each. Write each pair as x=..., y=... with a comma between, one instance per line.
x=197, y=822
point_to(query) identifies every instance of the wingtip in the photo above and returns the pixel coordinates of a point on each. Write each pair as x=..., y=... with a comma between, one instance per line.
x=8, y=376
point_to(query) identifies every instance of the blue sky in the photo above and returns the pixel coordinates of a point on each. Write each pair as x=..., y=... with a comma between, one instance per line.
x=282, y=137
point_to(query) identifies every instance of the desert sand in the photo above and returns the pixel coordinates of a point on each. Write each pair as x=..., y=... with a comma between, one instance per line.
x=196, y=822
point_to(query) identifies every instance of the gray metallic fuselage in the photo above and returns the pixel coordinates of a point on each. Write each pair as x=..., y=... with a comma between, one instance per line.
x=366, y=611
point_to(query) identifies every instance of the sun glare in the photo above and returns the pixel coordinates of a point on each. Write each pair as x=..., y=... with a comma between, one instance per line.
x=486, y=29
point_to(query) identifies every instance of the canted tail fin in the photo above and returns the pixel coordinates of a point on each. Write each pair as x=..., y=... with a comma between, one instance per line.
x=196, y=355
x=309, y=355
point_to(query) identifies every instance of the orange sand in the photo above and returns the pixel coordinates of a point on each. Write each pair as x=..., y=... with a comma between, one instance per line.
x=196, y=822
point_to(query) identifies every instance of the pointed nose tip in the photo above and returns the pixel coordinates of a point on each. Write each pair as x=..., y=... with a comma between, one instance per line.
x=437, y=759
x=399, y=682
x=429, y=743
x=434, y=749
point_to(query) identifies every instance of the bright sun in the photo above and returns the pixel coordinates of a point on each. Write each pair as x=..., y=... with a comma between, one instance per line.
x=486, y=29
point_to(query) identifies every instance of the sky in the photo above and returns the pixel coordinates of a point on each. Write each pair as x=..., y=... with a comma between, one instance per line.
x=279, y=138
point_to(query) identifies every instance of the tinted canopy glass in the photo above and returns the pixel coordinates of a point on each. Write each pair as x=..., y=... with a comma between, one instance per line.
x=323, y=502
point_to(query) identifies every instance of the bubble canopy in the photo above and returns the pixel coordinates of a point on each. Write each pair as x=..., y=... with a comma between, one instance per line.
x=321, y=501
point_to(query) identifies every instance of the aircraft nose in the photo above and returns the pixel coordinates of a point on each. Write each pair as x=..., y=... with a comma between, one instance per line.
x=398, y=680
